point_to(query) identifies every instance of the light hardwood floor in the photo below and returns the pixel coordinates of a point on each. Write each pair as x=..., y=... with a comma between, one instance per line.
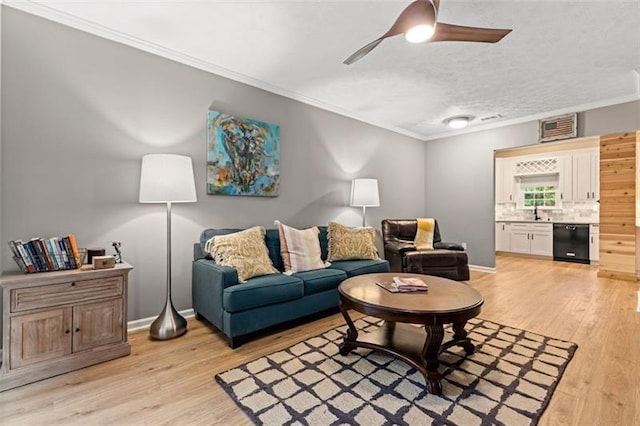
x=172, y=382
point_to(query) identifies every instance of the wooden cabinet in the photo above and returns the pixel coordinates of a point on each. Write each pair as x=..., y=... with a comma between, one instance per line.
x=57, y=322
x=505, y=181
x=586, y=175
x=594, y=243
x=531, y=238
x=502, y=236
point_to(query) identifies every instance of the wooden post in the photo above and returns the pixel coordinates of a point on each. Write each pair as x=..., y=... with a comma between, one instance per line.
x=618, y=206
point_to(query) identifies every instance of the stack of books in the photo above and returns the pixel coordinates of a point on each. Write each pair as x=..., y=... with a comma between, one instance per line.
x=404, y=284
x=46, y=254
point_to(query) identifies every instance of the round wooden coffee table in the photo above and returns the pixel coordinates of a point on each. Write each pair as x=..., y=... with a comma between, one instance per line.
x=446, y=302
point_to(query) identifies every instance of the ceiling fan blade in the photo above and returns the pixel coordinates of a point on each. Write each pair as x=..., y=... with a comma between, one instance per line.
x=436, y=4
x=362, y=52
x=450, y=32
x=419, y=11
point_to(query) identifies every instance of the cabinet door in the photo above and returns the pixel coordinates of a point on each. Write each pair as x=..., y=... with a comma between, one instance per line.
x=566, y=179
x=519, y=240
x=505, y=181
x=499, y=181
x=508, y=181
x=502, y=236
x=97, y=324
x=582, y=165
x=594, y=243
x=40, y=337
x=542, y=243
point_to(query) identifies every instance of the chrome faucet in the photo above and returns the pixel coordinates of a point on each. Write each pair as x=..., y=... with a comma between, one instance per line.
x=535, y=213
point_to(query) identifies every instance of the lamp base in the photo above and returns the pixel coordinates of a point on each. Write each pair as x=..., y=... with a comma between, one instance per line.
x=169, y=324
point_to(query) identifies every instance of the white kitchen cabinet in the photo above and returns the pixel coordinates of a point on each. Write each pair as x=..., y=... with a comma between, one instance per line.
x=502, y=236
x=565, y=188
x=586, y=175
x=594, y=243
x=531, y=238
x=505, y=181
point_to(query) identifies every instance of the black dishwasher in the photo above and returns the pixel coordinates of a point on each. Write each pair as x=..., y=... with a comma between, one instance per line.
x=571, y=242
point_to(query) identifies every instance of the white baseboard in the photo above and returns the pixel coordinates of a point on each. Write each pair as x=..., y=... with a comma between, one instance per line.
x=482, y=269
x=145, y=323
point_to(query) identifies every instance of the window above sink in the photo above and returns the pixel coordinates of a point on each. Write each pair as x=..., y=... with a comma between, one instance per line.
x=538, y=191
x=540, y=196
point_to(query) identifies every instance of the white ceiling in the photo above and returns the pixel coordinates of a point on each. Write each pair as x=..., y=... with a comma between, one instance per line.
x=562, y=56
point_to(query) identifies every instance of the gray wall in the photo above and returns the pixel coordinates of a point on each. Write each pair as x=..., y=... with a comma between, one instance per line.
x=460, y=174
x=79, y=112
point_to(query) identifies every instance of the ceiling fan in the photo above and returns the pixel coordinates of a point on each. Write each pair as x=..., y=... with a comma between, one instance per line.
x=419, y=23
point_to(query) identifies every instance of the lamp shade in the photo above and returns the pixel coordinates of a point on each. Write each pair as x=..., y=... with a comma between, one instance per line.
x=364, y=193
x=167, y=178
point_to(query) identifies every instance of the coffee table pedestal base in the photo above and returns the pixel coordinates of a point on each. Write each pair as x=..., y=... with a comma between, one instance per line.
x=418, y=346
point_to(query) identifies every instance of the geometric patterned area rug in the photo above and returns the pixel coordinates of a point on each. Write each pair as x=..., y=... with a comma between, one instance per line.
x=508, y=380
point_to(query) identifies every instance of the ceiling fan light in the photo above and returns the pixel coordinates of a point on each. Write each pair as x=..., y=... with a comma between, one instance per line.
x=419, y=33
x=458, y=122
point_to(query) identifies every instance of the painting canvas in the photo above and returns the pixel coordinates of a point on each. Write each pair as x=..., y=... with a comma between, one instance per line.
x=243, y=156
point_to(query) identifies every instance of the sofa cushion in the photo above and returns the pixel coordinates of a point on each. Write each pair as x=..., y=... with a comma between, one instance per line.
x=245, y=251
x=435, y=258
x=262, y=291
x=351, y=243
x=272, y=240
x=300, y=249
x=359, y=267
x=324, y=242
x=321, y=280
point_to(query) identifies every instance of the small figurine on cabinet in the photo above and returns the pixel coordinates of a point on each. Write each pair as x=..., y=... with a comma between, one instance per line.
x=116, y=245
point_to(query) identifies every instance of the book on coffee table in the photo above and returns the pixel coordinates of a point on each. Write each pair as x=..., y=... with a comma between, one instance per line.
x=404, y=285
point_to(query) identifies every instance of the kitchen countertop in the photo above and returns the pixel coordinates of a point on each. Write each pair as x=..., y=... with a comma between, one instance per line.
x=577, y=221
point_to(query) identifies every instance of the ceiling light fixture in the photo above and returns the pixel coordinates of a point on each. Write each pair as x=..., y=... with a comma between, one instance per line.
x=419, y=33
x=458, y=122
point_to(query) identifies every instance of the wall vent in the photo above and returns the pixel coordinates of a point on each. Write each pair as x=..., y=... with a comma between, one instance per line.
x=559, y=127
x=491, y=117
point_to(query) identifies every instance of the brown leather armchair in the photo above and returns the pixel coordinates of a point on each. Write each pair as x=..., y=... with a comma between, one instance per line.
x=447, y=260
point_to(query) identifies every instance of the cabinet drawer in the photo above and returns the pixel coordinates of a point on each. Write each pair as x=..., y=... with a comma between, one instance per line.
x=520, y=226
x=545, y=227
x=61, y=294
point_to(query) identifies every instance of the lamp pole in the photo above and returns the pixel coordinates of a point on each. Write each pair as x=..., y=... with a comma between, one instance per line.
x=169, y=323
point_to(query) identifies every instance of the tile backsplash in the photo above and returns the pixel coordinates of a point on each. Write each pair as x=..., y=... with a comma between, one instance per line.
x=585, y=212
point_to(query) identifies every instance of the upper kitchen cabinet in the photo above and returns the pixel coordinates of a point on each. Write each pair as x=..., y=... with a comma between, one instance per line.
x=586, y=175
x=505, y=181
x=565, y=190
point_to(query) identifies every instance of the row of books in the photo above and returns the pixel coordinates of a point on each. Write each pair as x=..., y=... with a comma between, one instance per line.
x=46, y=254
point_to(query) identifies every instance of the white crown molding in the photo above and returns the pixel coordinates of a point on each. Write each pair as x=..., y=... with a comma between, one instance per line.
x=43, y=11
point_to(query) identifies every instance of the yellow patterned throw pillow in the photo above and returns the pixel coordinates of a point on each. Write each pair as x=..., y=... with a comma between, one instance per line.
x=424, y=235
x=351, y=243
x=245, y=251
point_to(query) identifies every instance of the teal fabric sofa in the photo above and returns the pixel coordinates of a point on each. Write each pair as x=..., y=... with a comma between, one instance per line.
x=239, y=309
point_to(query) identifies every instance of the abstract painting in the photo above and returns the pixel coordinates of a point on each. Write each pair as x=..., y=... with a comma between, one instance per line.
x=243, y=156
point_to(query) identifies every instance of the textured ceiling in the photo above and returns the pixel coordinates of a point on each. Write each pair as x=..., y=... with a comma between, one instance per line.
x=562, y=56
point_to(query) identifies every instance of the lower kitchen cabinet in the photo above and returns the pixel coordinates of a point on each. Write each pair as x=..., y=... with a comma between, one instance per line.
x=502, y=236
x=531, y=238
x=56, y=322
